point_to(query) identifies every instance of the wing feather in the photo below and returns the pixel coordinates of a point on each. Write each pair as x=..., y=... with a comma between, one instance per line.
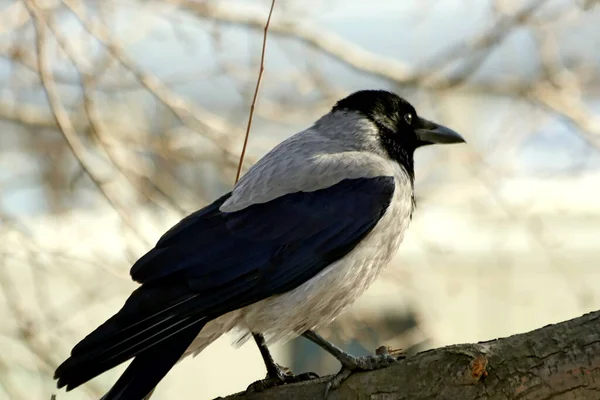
x=213, y=262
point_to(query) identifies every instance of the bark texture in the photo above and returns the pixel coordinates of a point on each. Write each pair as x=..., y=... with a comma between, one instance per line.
x=560, y=361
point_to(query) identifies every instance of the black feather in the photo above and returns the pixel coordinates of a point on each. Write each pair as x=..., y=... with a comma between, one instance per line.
x=214, y=262
x=148, y=369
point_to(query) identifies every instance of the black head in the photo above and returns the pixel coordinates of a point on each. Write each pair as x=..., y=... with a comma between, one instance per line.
x=401, y=130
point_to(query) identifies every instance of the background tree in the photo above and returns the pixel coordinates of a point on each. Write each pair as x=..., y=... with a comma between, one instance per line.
x=117, y=118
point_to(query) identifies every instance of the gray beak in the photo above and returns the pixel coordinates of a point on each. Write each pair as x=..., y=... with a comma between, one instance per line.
x=431, y=133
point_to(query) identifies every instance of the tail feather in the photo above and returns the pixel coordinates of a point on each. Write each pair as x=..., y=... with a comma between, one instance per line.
x=149, y=367
x=79, y=369
x=164, y=328
x=137, y=316
x=141, y=329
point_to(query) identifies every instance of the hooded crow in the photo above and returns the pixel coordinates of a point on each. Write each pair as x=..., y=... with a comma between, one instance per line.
x=299, y=238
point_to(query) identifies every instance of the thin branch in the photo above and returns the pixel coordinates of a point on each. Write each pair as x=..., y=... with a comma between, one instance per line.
x=88, y=84
x=62, y=117
x=20, y=55
x=474, y=52
x=358, y=57
x=258, y=81
x=13, y=17
x=183, y=110
x=325, y=41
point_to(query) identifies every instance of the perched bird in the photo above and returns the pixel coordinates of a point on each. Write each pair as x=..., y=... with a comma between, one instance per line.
x=297, y=240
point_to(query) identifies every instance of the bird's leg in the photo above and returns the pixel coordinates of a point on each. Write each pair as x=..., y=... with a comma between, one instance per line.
x=276, y=374
x=349, y=362
x=274, y=370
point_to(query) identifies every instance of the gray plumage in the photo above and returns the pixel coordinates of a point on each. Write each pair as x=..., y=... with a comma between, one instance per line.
x=340, y=145
x=301, y=236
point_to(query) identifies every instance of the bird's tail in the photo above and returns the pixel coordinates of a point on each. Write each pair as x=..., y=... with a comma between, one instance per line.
x=154, y=333
x=149, y=367
x=146, y=370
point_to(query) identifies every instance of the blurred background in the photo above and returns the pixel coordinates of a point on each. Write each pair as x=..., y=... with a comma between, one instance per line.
x=117, y=118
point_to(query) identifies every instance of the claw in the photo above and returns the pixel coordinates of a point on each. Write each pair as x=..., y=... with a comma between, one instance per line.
x=336, y=381
x=381, y=359
x=282, y=376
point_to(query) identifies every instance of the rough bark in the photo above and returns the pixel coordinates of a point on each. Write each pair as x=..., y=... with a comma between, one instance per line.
x=560, y=361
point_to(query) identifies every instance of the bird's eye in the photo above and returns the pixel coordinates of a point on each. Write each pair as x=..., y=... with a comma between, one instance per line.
x=408, y=118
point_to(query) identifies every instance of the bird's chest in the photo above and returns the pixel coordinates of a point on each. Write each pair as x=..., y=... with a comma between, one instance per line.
x=320, y=300
x=339, y=285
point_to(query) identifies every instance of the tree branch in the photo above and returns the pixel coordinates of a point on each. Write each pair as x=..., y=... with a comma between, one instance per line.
x=560, y=361
x=216, y=128
x=261, y=70
x=63, y=120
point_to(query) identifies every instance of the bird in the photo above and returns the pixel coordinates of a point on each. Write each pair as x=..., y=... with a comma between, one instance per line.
x=296, y=241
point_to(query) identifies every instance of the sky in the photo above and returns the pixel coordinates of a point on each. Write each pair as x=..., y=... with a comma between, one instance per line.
x=182, y=54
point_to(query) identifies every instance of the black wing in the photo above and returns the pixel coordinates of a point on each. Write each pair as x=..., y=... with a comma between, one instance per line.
x=214, y=262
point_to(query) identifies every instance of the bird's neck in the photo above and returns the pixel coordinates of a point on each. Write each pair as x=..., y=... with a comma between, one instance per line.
x=402, y=155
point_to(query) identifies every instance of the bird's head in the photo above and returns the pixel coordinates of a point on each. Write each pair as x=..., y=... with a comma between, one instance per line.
x=400, y=130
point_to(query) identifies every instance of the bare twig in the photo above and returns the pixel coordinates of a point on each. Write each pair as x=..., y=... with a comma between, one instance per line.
x=327, y=42
x=88, y=84
x=62, y=117
x=258, y=81
x=180, y=108
x=359, y=58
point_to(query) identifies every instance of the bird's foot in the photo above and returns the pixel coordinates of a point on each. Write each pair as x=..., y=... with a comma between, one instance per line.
x=382, y=358
x=281, y=376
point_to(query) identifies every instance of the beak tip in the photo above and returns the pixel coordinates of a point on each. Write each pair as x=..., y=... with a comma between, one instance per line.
x=460, y=139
